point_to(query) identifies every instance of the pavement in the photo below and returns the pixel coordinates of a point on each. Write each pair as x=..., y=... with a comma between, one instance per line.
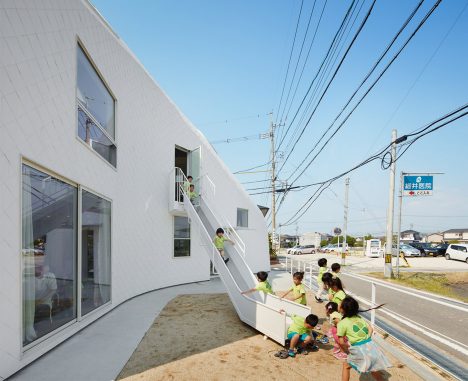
x=435, y=326
x=100, y=351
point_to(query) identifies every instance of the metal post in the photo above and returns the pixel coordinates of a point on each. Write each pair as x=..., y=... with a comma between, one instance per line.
x=345, y=224
x=373, y=304
x=273, y=186
x=399, y=225
x=388, y=270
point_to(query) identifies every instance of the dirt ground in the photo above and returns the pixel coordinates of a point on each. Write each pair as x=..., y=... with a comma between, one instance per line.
x=200, y=337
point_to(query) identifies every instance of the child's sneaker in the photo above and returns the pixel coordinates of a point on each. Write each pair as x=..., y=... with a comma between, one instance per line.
x=226, y=260
x=291, y=353
x=336, y=350
x=340, y=356
x=318, y=300
x=314, y=348
x=323, y=340
x=302, y=351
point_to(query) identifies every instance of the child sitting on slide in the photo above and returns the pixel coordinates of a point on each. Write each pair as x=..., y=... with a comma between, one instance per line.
x=263, y=285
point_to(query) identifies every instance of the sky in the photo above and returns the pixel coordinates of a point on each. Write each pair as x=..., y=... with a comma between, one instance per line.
x=224, y=63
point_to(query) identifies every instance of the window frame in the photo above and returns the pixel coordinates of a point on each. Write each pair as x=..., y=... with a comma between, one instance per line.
x=174, y=238
x=237, y=218
x=99, y=310
x=78, y=104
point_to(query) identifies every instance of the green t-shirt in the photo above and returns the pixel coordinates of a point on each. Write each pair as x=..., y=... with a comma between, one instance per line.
x=192, y=195
x=334, y=275
x=331, y=292
x=297, y=325
x=187, y=186
x=322, y=270
x=265, y=287
x=338, y=297
x=354, y=328
x=219, y=241
x=299, y=294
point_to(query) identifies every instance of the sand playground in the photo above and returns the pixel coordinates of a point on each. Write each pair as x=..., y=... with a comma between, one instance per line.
x=200, y=337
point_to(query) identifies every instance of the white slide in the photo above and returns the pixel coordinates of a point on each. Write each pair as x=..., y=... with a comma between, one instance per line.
x=258, y=310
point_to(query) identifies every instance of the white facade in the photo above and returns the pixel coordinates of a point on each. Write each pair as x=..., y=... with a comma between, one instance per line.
x=312, y=238
x=460, y=235
x=38, y=126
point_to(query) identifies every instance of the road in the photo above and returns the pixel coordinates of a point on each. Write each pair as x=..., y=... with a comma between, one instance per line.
x=438, y=331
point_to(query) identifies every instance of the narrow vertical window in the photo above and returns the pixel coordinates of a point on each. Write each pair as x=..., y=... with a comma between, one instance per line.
x=96, y=110
x=242, y=218
x=49, y=229
x=181, y=237
x=95, y=252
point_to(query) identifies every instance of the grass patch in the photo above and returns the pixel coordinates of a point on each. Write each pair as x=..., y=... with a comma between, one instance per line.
x=452, y=285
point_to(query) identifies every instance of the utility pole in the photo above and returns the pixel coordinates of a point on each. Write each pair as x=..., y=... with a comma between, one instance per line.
x=273, y=182
x=345, y=223
x=388, y=270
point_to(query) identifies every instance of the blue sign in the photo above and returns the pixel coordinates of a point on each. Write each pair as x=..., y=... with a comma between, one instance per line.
x=418, y=185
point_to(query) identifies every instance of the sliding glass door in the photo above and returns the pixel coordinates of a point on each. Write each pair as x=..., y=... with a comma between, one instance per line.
x=95, y=252
x=49, y=231
x=50, y=263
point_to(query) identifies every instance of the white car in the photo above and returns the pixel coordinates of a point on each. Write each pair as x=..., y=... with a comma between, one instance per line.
x=306, y=249
x=407, y=250
x=292, y=249
x=457, y=251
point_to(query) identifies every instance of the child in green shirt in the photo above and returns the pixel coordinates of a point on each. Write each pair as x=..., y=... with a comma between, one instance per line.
x=363, y=354
x=219, y=240
x=322, y=262
x=300, y=335
x=298, y=289
x=192, y=194
x=335, y=270
x=263, y=285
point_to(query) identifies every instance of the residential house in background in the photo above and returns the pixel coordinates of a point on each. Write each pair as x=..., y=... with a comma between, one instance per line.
x=410, y=236
x=434, y=237
x=460, y=235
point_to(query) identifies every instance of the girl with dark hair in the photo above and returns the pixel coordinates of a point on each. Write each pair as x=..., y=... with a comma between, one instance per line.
x=363, y=355
x=298, y=289
x=335, y=317
x=336, y=292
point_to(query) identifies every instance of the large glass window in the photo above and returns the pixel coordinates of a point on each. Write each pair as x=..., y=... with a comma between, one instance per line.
x=242, y=218
x=96, y=110
x=95, y=252
x=181, y=237
x=49, y=231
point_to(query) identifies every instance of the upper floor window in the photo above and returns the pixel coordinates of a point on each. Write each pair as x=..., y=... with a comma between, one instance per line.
x=242, y=218
x=96, y=110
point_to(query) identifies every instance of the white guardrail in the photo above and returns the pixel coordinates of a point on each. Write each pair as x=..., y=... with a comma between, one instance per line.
x=311, y=269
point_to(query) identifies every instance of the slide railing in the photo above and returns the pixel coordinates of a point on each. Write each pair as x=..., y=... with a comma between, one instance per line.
x=260, y=316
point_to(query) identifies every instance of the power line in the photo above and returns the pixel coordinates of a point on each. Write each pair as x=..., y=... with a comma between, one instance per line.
x=250, y=169
x=372, y=85
x=318, y=71
x=298, y=60
x=290, y=56
x=423, y=132
x=364, y=21
x=242, y=138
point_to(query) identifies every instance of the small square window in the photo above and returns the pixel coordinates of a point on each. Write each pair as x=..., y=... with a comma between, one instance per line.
x=242, y=218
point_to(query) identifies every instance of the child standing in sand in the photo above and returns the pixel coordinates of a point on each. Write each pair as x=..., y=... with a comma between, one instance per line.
x=335, y=317
x=363, y=354
x=263, y=285
x=219, y=240
x=336, y=292
x=298, y=289
x=322, y=262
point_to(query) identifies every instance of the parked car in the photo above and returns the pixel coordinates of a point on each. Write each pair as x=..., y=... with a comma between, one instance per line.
x=295, y=249
x=437, y=250
x=457, y=251
x=421, y=246
x=306, y=249
x=330, y=248
x=323, y=248
x=291, y=249
x=407, y=250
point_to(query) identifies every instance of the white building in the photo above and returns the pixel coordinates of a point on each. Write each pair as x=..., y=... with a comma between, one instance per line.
x=460, y=235
x=88, y=147
x=312, y=238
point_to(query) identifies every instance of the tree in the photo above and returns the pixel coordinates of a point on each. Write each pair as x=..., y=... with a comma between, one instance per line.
x=350, y=240
x=323, y=243
x=273, y=254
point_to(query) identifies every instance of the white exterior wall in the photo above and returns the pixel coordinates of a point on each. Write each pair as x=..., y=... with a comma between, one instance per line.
x=311, y=239
x=38, y=122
